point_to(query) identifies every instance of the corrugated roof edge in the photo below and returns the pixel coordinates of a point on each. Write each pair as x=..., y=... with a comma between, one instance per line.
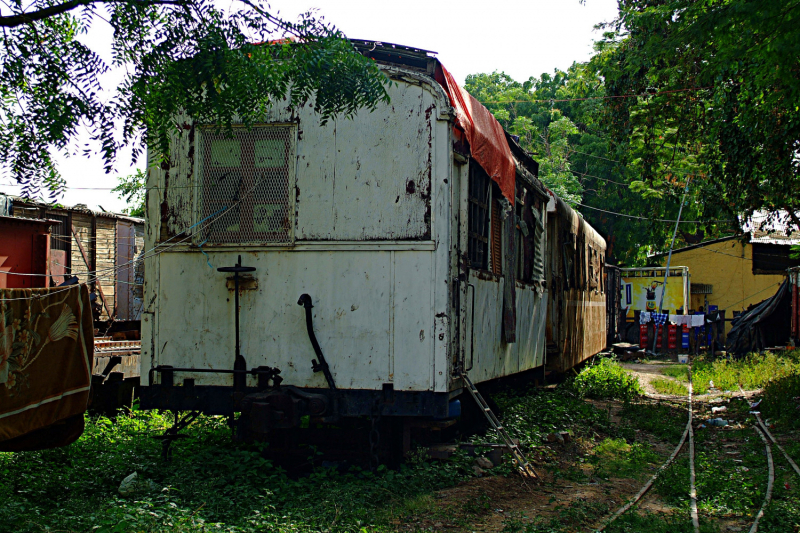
x=83, y=210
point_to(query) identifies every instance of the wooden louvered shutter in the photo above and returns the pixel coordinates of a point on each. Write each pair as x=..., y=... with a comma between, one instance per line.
x=539, y=246
x=497, y=239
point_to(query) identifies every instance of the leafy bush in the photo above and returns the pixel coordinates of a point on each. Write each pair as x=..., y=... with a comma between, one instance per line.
x=606, y=379
x=781, y=400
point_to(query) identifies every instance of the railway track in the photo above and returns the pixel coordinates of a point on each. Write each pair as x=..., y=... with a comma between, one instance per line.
x=760, y=428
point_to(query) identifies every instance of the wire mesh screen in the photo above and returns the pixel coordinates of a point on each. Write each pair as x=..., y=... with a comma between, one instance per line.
x=246, y=185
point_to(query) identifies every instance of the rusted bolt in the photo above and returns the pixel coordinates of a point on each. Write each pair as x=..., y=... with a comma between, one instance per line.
x=316, y=406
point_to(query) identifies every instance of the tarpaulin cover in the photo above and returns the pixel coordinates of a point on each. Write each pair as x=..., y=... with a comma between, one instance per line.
x=767, y=324
x=485, y=135
x=46, y=352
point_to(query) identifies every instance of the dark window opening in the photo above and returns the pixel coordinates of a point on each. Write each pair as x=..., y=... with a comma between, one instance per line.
x=478, y=217
x=772, y=258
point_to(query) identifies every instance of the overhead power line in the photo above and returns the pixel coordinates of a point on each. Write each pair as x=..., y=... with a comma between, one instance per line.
x=549, y=100
x=649, y=219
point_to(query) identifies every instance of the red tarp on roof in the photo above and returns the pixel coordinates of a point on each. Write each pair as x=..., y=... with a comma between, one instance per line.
x=486, y=138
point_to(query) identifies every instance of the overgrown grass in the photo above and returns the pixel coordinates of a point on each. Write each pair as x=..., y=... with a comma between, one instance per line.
x=751, y=372
x=617, y=458
x=663, y=420
x=605, y=379
x=210, y=484
x=730, y=486
x=669, y=386
x=679, y=372
x=531, y=416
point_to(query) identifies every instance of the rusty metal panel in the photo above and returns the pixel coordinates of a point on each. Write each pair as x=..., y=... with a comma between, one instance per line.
x=126, y=246
x=492, y=357
x=486, y=334
x=371, y=247
x=576, y=311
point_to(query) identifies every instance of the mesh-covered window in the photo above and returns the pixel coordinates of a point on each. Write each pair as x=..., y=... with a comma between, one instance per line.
x=246, y=182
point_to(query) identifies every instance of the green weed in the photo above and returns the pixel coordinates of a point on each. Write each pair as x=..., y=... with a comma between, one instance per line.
x=751, y=372
x=782, y=400
x=210, y=484
x=640, y=522
x=669, y=386
x=663, y=420
x=618, y=458
x=606, y=379
x=530, y=417
x=679, y=372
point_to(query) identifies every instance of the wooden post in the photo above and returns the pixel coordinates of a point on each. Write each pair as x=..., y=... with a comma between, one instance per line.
x=86, y=261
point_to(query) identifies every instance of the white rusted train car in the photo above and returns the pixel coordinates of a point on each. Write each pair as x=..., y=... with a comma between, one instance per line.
x=415, y=264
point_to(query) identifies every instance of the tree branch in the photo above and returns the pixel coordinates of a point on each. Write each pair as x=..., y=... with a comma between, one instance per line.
x=12, y=21
x=793, y=217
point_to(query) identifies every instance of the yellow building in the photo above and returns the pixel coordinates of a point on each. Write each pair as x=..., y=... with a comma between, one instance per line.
x=735, y=272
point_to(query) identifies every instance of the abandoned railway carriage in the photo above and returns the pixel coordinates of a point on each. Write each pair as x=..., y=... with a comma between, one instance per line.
x=358, y=267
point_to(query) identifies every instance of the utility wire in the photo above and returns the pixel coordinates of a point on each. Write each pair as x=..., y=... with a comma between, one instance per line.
x=586, y=98
x=208, y=221
x=649, y=219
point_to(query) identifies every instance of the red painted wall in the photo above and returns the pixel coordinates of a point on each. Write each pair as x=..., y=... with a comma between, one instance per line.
x=24, y=248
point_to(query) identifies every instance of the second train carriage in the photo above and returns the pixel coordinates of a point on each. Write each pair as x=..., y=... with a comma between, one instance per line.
x=409, y=264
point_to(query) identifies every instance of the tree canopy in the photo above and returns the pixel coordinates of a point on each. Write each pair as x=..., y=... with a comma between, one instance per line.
x=561, y=120
x=179, y=56
x=708, y=89
x=697, y=91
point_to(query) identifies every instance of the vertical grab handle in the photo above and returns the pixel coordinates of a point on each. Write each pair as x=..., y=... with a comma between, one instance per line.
x=471, y=329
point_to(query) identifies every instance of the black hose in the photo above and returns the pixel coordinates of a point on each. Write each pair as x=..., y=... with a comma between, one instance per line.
x=322, y=365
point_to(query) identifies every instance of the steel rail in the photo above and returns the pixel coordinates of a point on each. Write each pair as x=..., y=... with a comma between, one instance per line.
x=647, y=486
x=770, y=481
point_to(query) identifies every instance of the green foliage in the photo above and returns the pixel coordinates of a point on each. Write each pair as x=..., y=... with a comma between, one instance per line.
x=781, y=400
x=669, y=386
x=132, y=189
x=680, y=372
x=210, y=485
x=543, y=130
x=751, y=372
x=724, y=486
x=665, y=421
x=717, y=90
x=606, y=379
x=562, y=122
x=616, y=458
x=184, y=61
x=530, y=417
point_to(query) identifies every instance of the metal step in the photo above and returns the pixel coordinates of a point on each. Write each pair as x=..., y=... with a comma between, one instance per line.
x=525, y=467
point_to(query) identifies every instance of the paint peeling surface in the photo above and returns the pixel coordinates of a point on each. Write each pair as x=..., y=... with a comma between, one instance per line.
x=356, y=325
x=493, y=358
x=363, y=246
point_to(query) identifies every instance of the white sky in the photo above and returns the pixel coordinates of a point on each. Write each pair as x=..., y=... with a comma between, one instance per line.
x=523, y=38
